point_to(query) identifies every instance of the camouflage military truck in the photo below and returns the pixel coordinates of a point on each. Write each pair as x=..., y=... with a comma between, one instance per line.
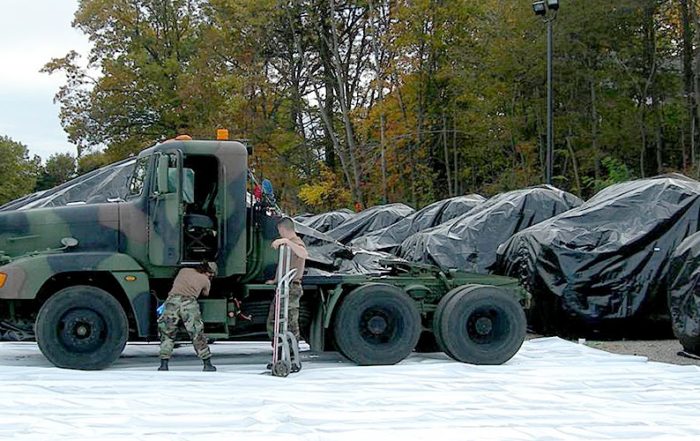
x=85, y=265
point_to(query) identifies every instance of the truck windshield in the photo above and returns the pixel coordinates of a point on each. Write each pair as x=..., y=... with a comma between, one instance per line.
x=106, y=184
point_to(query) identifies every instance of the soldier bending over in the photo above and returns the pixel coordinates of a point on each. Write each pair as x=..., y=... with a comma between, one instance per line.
x=181, y=304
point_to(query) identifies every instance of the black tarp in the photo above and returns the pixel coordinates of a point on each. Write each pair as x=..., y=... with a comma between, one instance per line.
x=469, y=242
x=390, y=238
x=107, y=184
x=301, y=218
x=607, y=259
x=369, y=220
x=683, y=293
x=329, y=257
x=326, y=221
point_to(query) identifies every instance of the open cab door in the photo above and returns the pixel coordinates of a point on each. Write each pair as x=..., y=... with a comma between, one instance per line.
x=166, y=211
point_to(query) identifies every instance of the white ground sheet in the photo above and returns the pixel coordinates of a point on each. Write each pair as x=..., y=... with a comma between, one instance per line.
x=551, y=390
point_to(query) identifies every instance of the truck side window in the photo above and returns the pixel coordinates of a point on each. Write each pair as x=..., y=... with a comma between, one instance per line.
x=138, y=178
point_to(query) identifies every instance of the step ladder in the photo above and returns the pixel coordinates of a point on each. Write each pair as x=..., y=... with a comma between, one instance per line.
x=285, y=347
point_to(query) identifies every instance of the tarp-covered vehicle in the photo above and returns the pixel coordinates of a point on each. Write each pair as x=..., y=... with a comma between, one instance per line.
x=390, y=238
x=607, y=259
x=369, y=220
x=325, y=221
x=469, y=242
x=684, y=293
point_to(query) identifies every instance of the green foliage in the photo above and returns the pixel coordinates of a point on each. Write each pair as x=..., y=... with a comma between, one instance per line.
x=462, y=102
x=325, y=194
x=616, y=172
x=18, y=171
x=143, y=49
x=91, y=161
x=59, y=168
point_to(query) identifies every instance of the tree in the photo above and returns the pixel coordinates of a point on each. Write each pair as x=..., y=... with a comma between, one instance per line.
x=143, y=49
x=18, y=170
x=394, y=100
x=91, y=161
x=59, y=168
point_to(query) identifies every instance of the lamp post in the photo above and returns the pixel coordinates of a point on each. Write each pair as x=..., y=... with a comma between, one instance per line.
x=547, y=9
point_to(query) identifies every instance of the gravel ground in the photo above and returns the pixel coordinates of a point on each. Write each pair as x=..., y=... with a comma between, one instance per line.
x=665, y=351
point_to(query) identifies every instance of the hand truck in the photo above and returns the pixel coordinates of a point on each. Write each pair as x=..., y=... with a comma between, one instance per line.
x=285, y=347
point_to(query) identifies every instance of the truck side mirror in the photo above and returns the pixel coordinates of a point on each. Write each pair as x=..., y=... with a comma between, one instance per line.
x=162, y=171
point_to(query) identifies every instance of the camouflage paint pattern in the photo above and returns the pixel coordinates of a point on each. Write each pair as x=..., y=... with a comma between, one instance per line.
x=186, y=309
x=134, y=236
x=233, y=172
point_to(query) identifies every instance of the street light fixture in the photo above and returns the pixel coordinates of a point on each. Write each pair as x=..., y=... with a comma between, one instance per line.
x=547, y=9
x=539, y=8
x=553, y=5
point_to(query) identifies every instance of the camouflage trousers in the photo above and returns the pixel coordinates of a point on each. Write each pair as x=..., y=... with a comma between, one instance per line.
x=295, y=293
x=186, y=309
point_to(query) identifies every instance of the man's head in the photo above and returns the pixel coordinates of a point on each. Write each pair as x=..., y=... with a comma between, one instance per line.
x=208, y=268
x=285, y=227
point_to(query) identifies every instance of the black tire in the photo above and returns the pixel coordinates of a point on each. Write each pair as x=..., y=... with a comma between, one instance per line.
x=483, y=325
x=690, y=344
x=377, y=324
x=437, y=317
x=81, y=327
x=281, y=369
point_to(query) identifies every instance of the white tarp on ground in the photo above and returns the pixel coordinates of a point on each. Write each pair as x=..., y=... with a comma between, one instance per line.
x=551, y=390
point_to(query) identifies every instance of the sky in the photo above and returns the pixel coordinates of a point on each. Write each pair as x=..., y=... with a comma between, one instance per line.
x=31, y=33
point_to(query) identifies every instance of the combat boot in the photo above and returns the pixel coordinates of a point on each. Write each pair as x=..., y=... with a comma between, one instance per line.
x=163, y=364
x=208, y=367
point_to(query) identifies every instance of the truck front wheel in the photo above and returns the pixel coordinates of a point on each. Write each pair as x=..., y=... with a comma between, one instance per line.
x=81, y=327
x=377, y=325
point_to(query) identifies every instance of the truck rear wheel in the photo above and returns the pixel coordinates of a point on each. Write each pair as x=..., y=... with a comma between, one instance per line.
x=481, y=325
x=81, y=327
x=377, y=325
x=690, y=344
x=437, y=317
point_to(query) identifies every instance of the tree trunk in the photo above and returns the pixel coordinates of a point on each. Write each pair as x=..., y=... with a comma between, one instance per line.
x=454, y=152
x=594, y=131
x=659, y=141
x=574, y=162
x=342, y=87
x=688, y=75
x=695, y=19
x=329, y=94
x=380, y=92
x=648, y=89
x=643, y=135
x=447, y=154
x=325, y=116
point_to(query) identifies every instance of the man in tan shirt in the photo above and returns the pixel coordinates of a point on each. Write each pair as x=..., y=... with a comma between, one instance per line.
x=289, y=237
x=181, y=304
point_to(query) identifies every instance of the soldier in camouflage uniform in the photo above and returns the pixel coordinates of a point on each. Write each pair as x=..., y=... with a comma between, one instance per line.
x=182, y=305
x=289, y=237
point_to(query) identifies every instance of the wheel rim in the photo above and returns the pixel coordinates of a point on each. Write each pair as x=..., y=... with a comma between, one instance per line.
x=82, y=330
x=379, y=325
x=486, y=325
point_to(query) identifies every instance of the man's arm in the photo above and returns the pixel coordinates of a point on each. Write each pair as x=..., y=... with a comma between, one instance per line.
x=299, y=250
x=206, y=288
